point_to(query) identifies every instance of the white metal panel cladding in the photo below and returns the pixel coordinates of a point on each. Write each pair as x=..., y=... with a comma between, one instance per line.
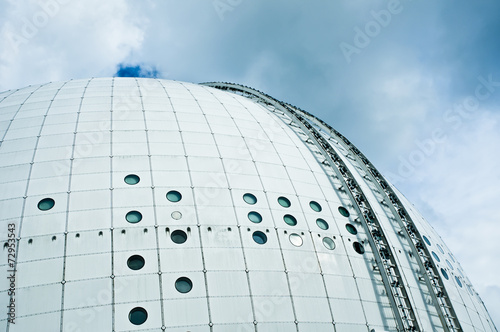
x=144, y=204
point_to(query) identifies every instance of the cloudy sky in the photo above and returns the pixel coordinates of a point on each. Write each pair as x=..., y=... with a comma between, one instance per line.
x=414, y=84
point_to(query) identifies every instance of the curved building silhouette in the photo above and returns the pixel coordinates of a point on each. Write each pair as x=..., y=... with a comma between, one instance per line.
x=132, y=204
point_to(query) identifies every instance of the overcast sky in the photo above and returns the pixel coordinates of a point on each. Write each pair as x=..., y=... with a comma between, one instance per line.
x=414, y=84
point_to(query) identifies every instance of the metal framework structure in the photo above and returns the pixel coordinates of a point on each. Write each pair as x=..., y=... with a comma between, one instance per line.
x=385, y=258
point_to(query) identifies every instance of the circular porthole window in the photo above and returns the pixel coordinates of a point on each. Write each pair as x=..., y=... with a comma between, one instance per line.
x=358, y=247
x=250, y=198
x=343, y=211
x=135, y=262
x=440, y=248
x=449, y=264
x=176, y=215
x=174, y=196
x=296, y=239
x=315, y=206
x=133, y=217
x=322, y=224
x=138, y=316
x=436, y=257
x=284, y=202
x=426, y=240
x=290, y=220
x=183, y=285
x=254, y=217
x=46, y=204
x=131, y=179
x=178, y=236
x=259, y=237
x=458, y=281
x=351, y=229
x=328, y=243
x=445, y=274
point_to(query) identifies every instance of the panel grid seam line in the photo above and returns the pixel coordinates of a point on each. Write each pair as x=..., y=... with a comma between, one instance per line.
x=111, y=203
x=269, y=203
x=70, y=172
x=195, y=209
x=234, y=211
x=155, y=215
x=270, y=212
x=21, y=219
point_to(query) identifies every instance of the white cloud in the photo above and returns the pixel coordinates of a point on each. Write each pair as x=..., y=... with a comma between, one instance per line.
x=59, y=39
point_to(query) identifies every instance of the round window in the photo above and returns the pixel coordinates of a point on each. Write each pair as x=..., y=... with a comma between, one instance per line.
x=254, y=217
x=315, y=206
x=135, y=262
x=250, y=199
x=295, y=239
x=358, y=247
x=284, y=202
x=458, y=281
x=290, y=220
x=445, y=274
x=132, y=179
x=178, y=236
x=328, y=243
x=436, y=257
x=343, y=211
x=176, y=215
x=138, y=316
x=259, y=237
x=174, y=196
x=426, y=240
x=133, y=217
x=351, y=229
x=46, y=204
x=183, y=285
x=322, y=224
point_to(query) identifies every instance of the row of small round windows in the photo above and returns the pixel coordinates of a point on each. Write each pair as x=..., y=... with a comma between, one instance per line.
x=285, y=202
x=296, y=239
x=255, y=217
x=290, y=220
x=438, y=259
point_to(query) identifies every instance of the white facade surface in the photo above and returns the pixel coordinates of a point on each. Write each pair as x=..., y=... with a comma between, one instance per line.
x=133, y=204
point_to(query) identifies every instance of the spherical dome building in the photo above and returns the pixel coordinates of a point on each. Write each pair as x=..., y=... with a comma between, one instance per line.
x=133, y=204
